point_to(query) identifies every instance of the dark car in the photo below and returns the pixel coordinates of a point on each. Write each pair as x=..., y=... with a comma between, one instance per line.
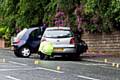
x=26, y=42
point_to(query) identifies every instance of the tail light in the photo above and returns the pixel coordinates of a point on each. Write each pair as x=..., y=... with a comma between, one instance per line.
x=17, y=41
x=72, y=41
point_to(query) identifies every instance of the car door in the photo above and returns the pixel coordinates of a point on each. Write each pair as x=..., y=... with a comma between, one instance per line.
x=34, y=39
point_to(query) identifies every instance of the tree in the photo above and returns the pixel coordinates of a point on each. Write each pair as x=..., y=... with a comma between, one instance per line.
x=104, y=12
x=50, y=10
x=20, y=14
x=8, y=10
x=98, y=15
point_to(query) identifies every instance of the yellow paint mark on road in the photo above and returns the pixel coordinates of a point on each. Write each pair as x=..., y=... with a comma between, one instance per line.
x=117, y=65
x=105, y=60
x=37, y=62
x=3, y=60
x=113, y=64
x=58, y=68
x=56, y=79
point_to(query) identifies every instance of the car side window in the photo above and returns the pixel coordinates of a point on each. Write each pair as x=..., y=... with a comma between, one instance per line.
x=35, y=34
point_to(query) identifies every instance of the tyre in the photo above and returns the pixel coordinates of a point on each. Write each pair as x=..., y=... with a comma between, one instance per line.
x=81, y=47
x=17, y=54
x=25, y=52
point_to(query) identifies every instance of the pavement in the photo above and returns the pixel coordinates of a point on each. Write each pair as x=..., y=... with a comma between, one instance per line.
x=101, y=57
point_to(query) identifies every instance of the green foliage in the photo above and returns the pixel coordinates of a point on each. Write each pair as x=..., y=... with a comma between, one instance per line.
x=115, y=13
x=66, y=5
x=99, y=15
x=50, y=11
x=21, y=13
x=91, y=28
x=2, y=31
x=106, y=11
x=30, y=13
x=89, y=6
x=72, y=19
x=7, y=18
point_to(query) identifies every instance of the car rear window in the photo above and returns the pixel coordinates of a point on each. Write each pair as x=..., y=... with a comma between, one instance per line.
x=56, y=33
x=21, y=33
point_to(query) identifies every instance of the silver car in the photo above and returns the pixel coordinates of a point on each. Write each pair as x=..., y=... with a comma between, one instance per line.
x=63, y=41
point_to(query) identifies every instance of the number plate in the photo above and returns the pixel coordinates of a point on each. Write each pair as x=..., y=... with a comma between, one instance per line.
x=58, y=49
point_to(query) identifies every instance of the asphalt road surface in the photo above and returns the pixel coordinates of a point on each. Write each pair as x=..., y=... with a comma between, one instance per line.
x=13, y=68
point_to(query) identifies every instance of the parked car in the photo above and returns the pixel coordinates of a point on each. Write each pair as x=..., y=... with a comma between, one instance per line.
x=63, y=41
x=26, y=42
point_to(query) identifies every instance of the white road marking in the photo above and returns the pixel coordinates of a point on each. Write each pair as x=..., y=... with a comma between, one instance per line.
x=21, y=69
x=7, y=69
x=95, y=64
x=12, y=78
x=41, y=68
x=50, y=70
x=17, y=63
x=85, y=77
x=92, y=64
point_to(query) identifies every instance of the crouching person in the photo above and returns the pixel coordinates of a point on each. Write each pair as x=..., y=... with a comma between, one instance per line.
x=45, y=50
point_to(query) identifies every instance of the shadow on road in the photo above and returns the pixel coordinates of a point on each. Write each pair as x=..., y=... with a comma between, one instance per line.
x=59, y=58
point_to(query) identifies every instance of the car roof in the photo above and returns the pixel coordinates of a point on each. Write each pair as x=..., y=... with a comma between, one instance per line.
x=52, y=28
x=33, y=28
x=29, y=30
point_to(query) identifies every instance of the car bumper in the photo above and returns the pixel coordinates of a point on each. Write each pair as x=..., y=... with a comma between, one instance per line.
x=15, y=48
x=64, y=50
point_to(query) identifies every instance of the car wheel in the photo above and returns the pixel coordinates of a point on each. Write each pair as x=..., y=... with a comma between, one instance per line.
x=25, y=52
x=17, y=54
x=84, y=47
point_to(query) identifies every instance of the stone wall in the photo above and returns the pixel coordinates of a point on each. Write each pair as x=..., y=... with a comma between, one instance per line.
x=103, y=43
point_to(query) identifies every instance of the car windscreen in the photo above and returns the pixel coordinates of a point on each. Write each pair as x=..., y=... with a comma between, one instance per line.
x=56, y=33
x=21, y=33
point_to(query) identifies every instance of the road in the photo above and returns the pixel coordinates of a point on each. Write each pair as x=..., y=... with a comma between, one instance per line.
x=13, y=68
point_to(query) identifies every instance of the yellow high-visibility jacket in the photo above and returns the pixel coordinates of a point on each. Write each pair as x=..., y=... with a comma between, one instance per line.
x=46, y=47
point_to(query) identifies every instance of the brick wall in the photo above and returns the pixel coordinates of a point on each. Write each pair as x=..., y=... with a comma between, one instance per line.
x=2, y=43
x=103, y=43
